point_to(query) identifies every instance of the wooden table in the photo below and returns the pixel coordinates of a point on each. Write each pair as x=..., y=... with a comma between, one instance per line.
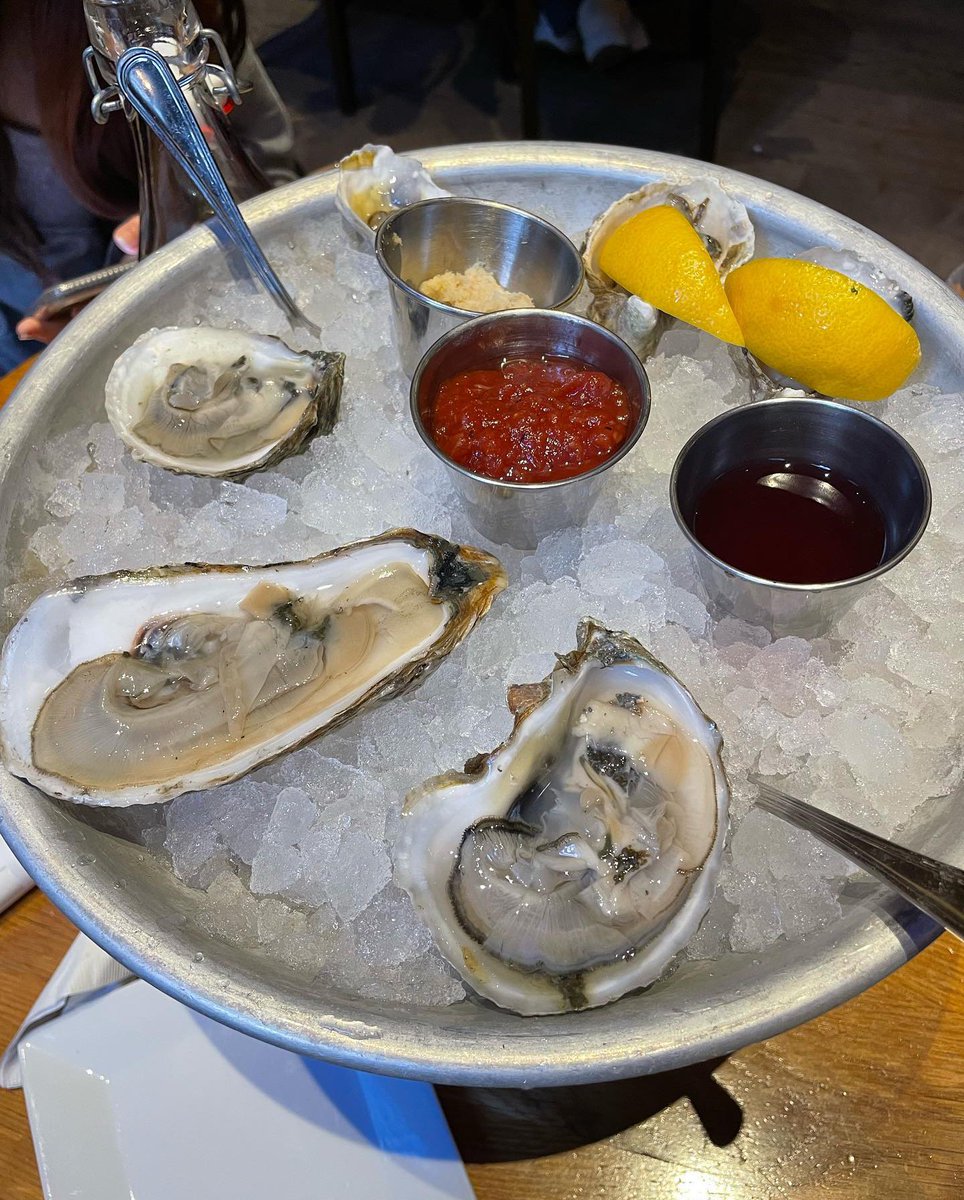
x=9, y=382
x=867, y=1101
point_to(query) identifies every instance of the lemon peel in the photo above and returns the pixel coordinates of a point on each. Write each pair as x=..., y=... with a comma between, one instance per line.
x=822, y=328
x=660, y=257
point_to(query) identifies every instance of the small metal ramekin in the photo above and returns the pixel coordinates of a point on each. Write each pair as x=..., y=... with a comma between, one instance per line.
x=519, y=514
x=861, y=447
x=452, y=233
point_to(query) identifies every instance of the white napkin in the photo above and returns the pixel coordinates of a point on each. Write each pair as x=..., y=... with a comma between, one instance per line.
x=84, y=972
x=14, y=880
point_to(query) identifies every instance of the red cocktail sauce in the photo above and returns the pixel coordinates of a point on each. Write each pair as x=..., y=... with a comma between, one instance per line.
x=531, y=420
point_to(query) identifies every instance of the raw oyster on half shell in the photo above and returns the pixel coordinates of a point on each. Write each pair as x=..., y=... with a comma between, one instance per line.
x=571, y=864
x=721, y=221
x=375, y=180
x=134, y=687
x=221, y=402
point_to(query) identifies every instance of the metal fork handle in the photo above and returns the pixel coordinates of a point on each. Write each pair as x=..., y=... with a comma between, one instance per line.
x=935, y=887
x=148, y=85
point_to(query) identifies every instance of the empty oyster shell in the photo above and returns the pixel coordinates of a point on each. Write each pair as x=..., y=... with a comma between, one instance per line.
x=374, y=180
x=221, y=402
x=722, y=222
x=135, y=687
x=572, y=863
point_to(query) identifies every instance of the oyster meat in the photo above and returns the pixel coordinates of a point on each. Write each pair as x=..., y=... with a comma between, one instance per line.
x=721, y=221
x=135, y=687
x=571, y=864
x=222, y=402
x=375, y=180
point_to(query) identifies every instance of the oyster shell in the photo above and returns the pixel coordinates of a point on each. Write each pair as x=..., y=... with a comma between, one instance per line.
x=222, y=402
x=134, y=687
x=572, y=863
x=722, y=222
x=374, y=180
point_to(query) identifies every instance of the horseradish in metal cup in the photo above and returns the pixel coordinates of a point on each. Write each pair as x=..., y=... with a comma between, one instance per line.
x=452, y=234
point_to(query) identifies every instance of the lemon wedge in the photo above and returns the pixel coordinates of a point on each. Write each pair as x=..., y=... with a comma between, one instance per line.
x=660, y=257
x=820, y=327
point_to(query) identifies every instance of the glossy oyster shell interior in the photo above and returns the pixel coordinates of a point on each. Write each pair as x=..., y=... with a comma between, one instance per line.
x=373, y=181
x=618, y=902
x=135, y=687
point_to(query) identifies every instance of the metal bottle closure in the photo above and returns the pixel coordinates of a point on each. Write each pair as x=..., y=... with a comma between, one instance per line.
x=169, y=202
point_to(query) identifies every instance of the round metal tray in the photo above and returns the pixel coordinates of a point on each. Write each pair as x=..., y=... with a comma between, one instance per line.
x=133, y=906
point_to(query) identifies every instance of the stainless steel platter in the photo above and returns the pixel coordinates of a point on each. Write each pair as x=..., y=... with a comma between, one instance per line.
x=133, y=906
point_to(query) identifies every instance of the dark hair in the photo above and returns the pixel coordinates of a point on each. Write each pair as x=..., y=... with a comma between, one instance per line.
x=96, y=162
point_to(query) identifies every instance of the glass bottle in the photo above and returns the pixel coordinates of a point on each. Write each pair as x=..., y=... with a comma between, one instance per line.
x=169, y=203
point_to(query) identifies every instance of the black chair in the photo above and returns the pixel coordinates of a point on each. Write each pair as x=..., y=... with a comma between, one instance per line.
x=520, y=59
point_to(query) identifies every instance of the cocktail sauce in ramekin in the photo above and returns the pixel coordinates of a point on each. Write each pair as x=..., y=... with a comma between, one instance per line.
x=529, y=410
x=531, y=420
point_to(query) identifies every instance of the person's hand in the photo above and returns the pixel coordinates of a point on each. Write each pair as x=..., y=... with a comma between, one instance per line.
x=39, y=327
x=127, y=235
x=42, y=326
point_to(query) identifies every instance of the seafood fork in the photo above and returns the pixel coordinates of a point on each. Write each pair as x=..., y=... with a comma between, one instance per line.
x=147, y=84
x=935, y=887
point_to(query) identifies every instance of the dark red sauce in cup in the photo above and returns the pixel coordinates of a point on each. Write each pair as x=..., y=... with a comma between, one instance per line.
x=531, y=420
